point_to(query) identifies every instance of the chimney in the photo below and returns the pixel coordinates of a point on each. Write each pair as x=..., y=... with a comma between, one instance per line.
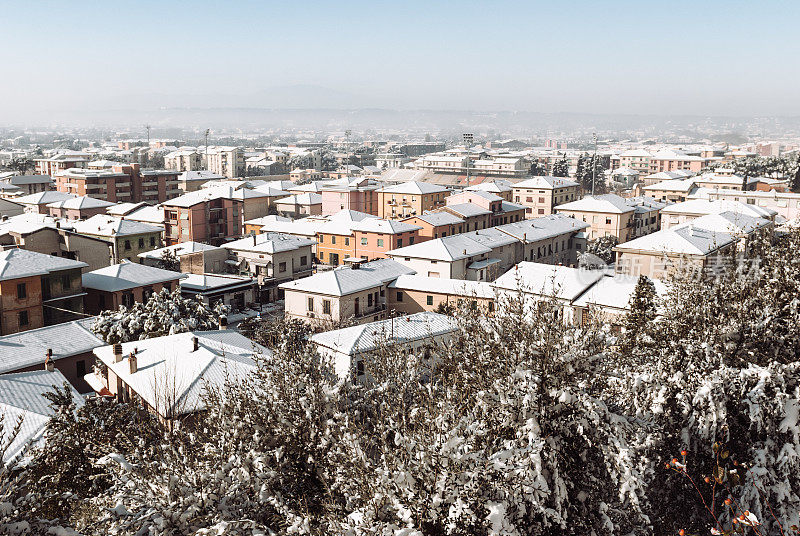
x=223, y=322
x=195, y=344
x=133, y=361
x=48, y=361
x=117, y=353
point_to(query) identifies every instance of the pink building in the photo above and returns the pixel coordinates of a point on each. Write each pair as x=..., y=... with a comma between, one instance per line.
x=359, y=194
x=203, y=216
x=79, y=208
x=374, y=237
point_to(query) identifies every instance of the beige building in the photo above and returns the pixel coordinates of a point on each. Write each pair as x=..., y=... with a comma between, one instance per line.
x=356, y=293
x=612, y=215
x=184, y=160
x=540, y=195
x=668, y=251
x=226, y=161
x=682, y=213
x=409, y=199
x=671, y=191
x=410, y=294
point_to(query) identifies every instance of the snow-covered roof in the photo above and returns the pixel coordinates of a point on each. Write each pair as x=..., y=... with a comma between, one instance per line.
x=221, y=355
x=43, y=198
x=734, y=223
x=16, y=180
x=206, y=282
x=606, y=204
x=414, y=188
x=545, y=182
x=348, y=280
x=301, y=199
x=439, y=218
x=468, y=210
x=542, y=228
x=147, y=214
x=705, y=206
x=21, y=396
x=28, y=348
x=127, y=275
x=495, y=186
x=401, y=330
x=80, y=203
x=27, y=223
x=688, y=240
x=269, y=243
x=672, y=185
x=376, y=225
x=123, y=209
x=614, y=292
x=184, y=248
x=450, y=287
x=109, y=226
x=16, y=263
x=560, y=282
x=449, y=248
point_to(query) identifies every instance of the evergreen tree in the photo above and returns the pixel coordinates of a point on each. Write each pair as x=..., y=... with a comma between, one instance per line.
x=642, y=311
x=561, y=167
x=795, y=186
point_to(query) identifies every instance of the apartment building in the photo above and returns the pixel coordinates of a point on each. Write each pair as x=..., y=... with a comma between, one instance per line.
x=409, y=199
x=409, y=294
x=540, y=195
x=184, y=160
x=125, y=284
x=356, y=293
x=299, y=205
x=668, y=251
x=359, y=194
x=30, y=184
x=682, y=213
x=193, y=180
x=272, y=258
x=497, y=187
x=127, y=238
x=79, y=208
x=38, y=290
x=226, y=161
x=56, y=164
x=336, y=239
x=121, y=183
x=437, y=224
x=671, y=191
x=203, y=216
x=786, y=204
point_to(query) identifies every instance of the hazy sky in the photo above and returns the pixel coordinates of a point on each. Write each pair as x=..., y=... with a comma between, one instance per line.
x=702, y=57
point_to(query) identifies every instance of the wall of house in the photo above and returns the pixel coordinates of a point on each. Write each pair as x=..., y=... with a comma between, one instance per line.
x=407, y=301
x=73, y=368
x=96, y=300
x=11, y=305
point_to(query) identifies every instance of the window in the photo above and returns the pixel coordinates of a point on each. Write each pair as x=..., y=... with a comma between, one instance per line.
x=127, y=245
x=321, y=239
x=380, y=242
x=364, y=241
x=411, y=241
x=303, y=260
x=80, y=368
x=359, y=368
x=141, y=243
x=127, y=299
x=429, y=300
x=399, y=242
x=608, y=221
x=333, y=239
x=23, y=318
x=66, y=282
x=346, y=241
x=22, y=291
x=152, y=241
x=399, y=296
x=282, y=267
x=369, y=300
x=311, y=304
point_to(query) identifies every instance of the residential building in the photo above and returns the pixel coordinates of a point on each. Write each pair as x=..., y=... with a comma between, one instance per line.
x=336, y=239
x=671, y=191
x=203, y=216
x=436, y=224
x=78, y=208
x=121, y=183
x=359, y=194
x=475, y=217
x=497, y=187
x=169, y=375
x=786, y=204
x=715, y=181
x=30, y=184
x=236, y=292
x=299, y=205
x=410, y=294
x=192, y=180
x=681, y=213
x=37, y=203
x=607, y=215
x=409, y=199
x=22, y=398
x=608, y=300
x=184, y=160
x=10, y=208
x=354, y=293
x=43, y=234
x=38, y=290
x=226, y=161
x=272, y=258
x=667, y=251
x=374, y=237
x=194, y=257
x=125, y=284
x=540, y=195
x=68, y=345
x=127, y=238
x=55, y=164
x=350, y=348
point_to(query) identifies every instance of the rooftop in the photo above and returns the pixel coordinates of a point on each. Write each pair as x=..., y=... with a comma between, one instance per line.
x=80, y=203
x=545, y=182
x=127, y=275
x=16, y=263
x=450, y=287
x=269, y=243
x=414, y=188
x=108, y=226
x=560, y=282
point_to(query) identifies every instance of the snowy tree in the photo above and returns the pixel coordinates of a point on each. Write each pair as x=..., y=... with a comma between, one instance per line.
x=538, y=169
x=601, y=248
x=169, y=261
x=561, y=167
x=164, y=313
x=641, y=312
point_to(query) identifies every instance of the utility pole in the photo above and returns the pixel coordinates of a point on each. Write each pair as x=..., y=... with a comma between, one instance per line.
x=594, y=160
x=147, y=127
x=207, y=133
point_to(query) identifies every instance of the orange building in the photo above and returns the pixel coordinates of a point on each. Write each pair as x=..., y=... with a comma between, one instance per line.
x=409, y=199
